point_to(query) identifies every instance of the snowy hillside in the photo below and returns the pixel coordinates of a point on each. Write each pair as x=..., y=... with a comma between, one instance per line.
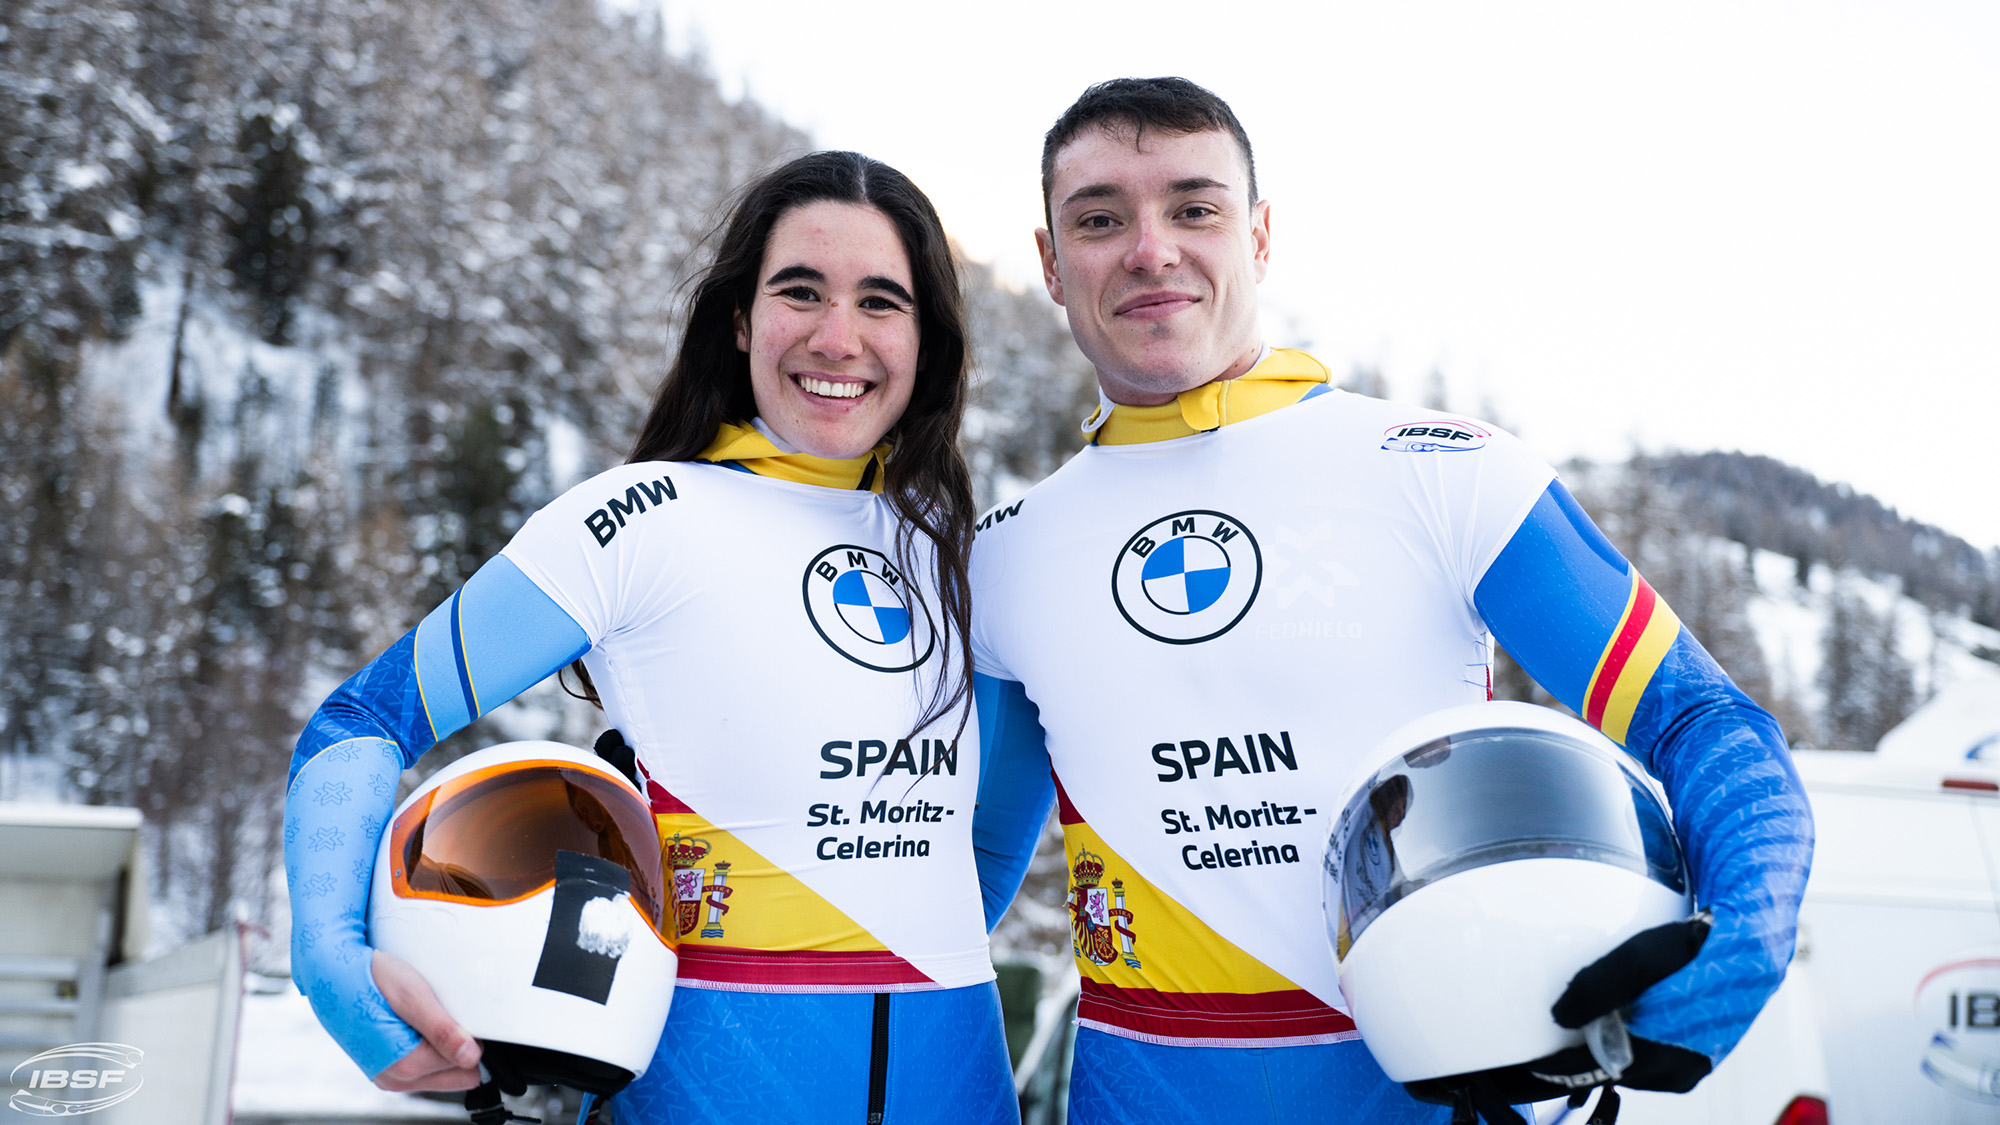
x=1837, y=614
x=1791, y=624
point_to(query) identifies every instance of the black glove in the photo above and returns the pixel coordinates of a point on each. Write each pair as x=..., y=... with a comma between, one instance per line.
x=1607, y=986
x=1593, y=1002
x=612, y=748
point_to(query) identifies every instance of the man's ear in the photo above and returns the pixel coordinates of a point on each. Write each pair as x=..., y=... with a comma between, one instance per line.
x=1260, y=236
x=743, y=329
x=1045, y=248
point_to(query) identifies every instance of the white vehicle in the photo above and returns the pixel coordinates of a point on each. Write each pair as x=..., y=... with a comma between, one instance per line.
x=1902, y=915
x=1897, y=978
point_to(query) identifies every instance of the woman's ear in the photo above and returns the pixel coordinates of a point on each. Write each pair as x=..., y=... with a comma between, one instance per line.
x=743, y=332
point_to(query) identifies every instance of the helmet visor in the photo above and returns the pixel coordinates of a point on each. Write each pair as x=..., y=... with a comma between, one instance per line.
x=491, y=836
x=1490, y=796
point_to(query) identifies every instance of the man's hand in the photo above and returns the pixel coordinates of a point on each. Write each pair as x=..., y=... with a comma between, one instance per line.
x=1597, y=995
x=1594, y=1001
x=448, y=1058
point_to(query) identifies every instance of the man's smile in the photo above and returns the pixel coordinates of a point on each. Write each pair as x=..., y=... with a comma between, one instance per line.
x=1155, y=305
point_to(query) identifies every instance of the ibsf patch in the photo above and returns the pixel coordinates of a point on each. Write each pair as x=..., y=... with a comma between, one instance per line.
x=1187, y=577
x=862, y=606
x=1958, y=1017
x=1436, y=435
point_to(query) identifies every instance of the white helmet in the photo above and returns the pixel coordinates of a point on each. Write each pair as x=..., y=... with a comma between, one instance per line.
x=1483, y=856
x=524, y=882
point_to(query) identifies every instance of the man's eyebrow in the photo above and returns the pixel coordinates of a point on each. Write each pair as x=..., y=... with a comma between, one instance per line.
x=1178, y=187
x=796, y=273
x=1092, y=191
x=890, y=286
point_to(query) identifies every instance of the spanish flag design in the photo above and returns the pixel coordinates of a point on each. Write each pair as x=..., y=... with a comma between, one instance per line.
x=1153, y=971
x=1646, y=630
x=747, y=925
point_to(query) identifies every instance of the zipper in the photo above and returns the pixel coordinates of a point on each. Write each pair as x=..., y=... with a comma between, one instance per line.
x=878, y=1061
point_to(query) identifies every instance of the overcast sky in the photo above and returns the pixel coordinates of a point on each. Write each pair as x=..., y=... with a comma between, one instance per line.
x=1772, y=227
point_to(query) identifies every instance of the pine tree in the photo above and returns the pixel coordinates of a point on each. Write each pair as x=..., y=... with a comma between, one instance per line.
x=1869, y=686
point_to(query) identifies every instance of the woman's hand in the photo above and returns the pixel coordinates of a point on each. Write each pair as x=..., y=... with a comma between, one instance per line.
x=448, y=1058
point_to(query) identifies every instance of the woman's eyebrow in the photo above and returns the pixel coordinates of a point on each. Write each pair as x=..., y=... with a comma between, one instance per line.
x=888, y=285
x=795, y=273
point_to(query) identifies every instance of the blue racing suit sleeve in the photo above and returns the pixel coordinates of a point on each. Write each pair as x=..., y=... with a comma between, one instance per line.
x=334, y=812
x=1016, y=790
x=496, y=637
x=1582, y=621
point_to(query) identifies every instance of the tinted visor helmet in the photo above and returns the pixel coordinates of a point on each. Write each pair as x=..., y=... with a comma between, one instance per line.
x=524, y=882
x=1482, y=856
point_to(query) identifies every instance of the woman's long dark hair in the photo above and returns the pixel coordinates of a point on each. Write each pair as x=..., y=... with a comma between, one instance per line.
x=925, y=479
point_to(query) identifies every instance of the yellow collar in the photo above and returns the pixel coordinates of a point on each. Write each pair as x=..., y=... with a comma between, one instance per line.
x=1283, y=378
x=744, y=446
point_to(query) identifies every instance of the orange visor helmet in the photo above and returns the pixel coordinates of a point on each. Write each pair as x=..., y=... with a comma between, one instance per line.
x=490, y=836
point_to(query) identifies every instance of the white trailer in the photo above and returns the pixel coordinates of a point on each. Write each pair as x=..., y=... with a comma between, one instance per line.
x=1902, y=915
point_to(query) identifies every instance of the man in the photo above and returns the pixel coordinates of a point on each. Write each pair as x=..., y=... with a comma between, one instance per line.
x=1242, y=583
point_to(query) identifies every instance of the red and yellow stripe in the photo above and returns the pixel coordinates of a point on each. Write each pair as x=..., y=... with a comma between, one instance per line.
x=775, y=933
x=1183, y=982
x=1645, y=632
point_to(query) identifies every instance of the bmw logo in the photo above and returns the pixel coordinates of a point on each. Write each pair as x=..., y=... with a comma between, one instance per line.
x=860, y=604
x=1187, y=577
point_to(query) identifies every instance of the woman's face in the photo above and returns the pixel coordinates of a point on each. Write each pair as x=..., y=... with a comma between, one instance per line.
x=832, y=332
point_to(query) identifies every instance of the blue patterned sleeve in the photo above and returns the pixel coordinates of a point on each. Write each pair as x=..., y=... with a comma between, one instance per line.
x=1583, y=622
x=1016, y=790
x=496, y=637
x=334, y=812
x=1743, y=818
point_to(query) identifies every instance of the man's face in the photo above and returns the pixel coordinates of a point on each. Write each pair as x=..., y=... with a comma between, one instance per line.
x=1156, y=253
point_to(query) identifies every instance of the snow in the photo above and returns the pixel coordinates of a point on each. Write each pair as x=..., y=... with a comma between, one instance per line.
x=288, y=1067
x=1962, y=723
x=220, y=365
x=1790, y=624
x=568, y=447
x=82, y=177
x=32, y=779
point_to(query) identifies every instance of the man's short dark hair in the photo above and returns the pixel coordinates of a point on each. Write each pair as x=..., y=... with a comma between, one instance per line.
x=1173, y=105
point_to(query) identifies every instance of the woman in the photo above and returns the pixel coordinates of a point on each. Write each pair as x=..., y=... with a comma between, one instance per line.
x=769, y=601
